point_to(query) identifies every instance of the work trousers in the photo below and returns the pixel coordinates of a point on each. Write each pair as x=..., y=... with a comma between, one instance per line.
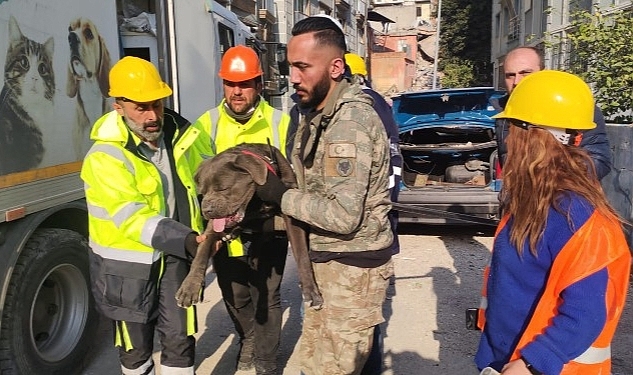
x=137, y=339
x=250, y=286
x=337, y=339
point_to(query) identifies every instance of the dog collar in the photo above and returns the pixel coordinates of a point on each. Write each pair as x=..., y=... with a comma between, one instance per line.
x=269, y=162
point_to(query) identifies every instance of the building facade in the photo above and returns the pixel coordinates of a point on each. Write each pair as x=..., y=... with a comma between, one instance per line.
x=402, y=51
x=539, y=23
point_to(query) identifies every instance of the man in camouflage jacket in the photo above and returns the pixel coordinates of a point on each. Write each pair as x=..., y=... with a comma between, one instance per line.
x=341, y=157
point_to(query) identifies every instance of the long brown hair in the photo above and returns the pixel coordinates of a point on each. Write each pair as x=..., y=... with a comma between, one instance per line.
x=538, y=170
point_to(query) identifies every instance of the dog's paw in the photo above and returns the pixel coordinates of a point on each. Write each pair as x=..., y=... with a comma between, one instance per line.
x=189, y=292
x=316, y=300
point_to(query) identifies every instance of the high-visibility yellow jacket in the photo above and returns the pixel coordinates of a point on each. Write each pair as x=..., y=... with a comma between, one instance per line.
x=129, y=227
x=267, y=124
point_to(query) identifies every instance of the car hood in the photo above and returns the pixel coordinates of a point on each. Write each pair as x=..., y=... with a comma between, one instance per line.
x=467, y=107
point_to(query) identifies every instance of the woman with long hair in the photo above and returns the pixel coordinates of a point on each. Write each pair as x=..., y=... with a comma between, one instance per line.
x=558, y=277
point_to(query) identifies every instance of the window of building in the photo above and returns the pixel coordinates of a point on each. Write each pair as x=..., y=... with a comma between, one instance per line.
x=227, y=39
x=543, y=28
x=300, y=6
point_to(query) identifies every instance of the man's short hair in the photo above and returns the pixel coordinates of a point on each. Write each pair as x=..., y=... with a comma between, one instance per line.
x=326, y=32
x=536, y=50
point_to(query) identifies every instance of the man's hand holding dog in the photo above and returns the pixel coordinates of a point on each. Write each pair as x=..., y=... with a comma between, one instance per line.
x=194, y=239
x=191, y=244
x=272, y=190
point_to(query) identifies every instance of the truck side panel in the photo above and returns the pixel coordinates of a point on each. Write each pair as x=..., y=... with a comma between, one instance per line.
x=210, y=28
x=55, y=58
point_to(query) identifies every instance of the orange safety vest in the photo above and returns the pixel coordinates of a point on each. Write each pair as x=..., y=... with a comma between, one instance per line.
x=610, y=250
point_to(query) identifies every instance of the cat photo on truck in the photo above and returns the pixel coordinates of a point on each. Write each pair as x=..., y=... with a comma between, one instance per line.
x=29, y=82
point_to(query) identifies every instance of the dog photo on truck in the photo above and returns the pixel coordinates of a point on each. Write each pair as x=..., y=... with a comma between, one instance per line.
x=48, y=320
x=55, y=71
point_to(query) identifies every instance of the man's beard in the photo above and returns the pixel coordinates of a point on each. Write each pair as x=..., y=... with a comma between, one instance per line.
x=139, y=129
x=318, y=94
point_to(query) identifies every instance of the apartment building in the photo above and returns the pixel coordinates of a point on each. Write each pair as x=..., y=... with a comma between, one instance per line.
x=402, y=50
x=539, y=23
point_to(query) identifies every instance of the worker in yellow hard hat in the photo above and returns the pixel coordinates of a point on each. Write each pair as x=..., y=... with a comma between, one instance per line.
x=559, y=274
x=143, y=218
x=358, y=71
x=356, y=64
x=249, y=268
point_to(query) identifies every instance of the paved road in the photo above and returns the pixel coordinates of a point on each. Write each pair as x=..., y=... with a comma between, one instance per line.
x=438, y=276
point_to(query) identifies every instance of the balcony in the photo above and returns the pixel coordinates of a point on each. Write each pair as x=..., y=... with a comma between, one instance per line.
x=343, y=4
x=514, y=29
x=326, y=4
x=385, y=2
x=246, y=6
x=299, y=16
x=266, y=16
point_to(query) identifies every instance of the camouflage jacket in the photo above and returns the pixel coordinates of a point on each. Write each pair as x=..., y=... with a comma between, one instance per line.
x=343, y=182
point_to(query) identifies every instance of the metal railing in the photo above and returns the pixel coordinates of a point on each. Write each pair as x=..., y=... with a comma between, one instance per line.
x=514, y=28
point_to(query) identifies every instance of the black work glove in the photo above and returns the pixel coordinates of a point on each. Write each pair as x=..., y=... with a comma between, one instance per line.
x=272, y=190
x=191, y=244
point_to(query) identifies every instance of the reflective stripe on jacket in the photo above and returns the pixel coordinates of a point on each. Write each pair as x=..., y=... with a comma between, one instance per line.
x=570, y=266
x=129, y=230
x=267, y=124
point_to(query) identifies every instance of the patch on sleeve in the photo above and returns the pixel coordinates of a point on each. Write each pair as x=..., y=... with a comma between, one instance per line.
x=341, y=150
x=340, y=160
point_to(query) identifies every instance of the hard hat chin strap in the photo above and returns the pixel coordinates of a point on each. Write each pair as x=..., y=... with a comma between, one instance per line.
x=569, y=137
x=561, y=135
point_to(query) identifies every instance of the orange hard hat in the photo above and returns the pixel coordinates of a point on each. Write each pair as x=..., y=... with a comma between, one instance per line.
x=240, y=63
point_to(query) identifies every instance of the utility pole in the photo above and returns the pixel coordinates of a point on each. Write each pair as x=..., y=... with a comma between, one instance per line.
x=437, y=43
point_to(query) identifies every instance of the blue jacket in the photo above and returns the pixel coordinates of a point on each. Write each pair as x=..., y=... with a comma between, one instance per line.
x=515, y=284
x=559, y=308
x=383, y=109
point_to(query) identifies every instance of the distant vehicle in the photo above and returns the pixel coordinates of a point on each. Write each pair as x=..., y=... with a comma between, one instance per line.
x=450, y=172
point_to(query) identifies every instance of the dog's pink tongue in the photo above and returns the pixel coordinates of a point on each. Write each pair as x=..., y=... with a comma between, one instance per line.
x=219, y=224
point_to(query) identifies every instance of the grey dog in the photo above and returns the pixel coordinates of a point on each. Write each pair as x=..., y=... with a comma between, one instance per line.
x=227, y=183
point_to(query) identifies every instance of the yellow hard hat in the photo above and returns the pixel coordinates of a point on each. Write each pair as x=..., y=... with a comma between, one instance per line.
x=138, y=80
x=356, y=64
x=240, y=63
x=551, y=98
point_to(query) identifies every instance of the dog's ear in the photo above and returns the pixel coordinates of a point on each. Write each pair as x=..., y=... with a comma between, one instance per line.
x=104, y=68
x=202, y=174
x=255, y=166
x=287, y=175
x=71, y=83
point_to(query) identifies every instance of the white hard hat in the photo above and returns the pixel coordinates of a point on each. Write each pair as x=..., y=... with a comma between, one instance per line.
x=334, y=20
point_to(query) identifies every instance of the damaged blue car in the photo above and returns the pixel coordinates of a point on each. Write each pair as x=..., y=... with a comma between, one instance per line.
x=450, y=171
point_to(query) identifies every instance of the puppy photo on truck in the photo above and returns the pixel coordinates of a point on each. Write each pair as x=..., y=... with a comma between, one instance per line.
x=87, y=81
